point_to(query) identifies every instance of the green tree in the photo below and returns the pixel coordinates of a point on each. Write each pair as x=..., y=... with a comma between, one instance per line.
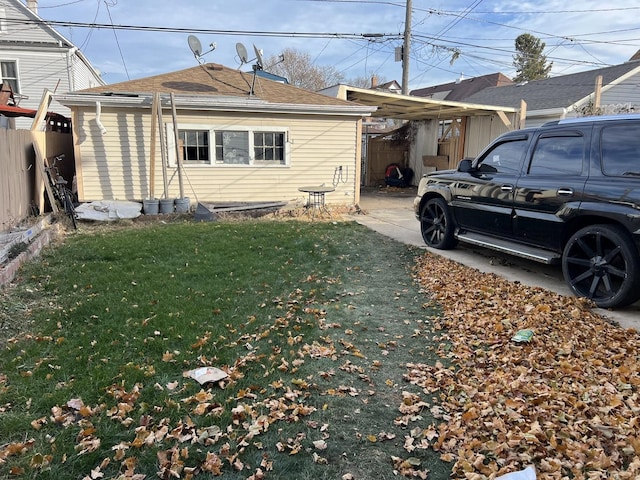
x=530, y=62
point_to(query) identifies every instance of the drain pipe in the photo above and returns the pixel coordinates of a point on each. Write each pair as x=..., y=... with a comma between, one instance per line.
x=103, y=130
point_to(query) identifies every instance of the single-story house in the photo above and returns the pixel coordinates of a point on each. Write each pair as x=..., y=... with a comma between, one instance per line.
x=241, y=138
x=572, y=95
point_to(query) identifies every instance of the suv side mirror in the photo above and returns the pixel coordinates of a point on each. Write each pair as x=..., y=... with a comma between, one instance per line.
x=465, y=165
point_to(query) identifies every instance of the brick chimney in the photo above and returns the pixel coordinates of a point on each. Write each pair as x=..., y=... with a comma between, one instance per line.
x=33, y=6
x=374, y=81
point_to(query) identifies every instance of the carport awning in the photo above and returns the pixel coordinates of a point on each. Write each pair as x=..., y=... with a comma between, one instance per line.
x=406, y=107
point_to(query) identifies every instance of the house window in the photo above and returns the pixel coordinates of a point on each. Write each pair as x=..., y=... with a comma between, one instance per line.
x=195, y=146
x=9, y=74
x=232, y=147
x=250, y=146
x=268, y=147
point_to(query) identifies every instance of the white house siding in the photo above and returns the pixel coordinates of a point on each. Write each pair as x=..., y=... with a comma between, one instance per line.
x=43, y=62
x=116, y=165
x=622, y=97
x=38, y=71
x=81, y=75
x=24, y=32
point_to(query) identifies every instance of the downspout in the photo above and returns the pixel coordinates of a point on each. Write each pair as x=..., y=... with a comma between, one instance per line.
x=103, y=130
x=70, y=78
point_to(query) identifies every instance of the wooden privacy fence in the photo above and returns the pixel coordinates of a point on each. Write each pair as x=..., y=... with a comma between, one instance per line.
x=21, y=182
x=381, y=152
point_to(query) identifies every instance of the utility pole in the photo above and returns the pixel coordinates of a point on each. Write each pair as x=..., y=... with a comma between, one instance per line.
x=406, y=49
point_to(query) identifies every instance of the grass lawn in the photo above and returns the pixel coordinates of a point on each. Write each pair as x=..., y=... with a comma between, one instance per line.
x=314, y=324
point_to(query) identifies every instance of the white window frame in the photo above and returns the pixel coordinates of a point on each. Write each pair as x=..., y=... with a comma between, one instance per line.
x=3, y=21
x=17, y=78
x=212, y=145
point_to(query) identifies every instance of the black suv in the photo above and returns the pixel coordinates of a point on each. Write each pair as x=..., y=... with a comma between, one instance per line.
x=567, y=192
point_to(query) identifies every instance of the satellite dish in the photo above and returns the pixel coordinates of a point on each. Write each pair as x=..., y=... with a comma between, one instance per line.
x=259, y=61
x=195, y=45
x=242, y=53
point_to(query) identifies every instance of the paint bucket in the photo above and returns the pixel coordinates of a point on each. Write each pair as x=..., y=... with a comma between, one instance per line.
x=150, y=206
x=166, y=205
x=182, y=205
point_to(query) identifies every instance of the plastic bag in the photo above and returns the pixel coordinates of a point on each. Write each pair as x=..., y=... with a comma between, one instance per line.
x=528, y=473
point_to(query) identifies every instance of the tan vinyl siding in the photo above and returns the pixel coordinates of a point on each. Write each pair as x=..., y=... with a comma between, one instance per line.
x=480, y=131
x=116, y=165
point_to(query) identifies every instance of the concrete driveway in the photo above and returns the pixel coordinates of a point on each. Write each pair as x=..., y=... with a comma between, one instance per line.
x=389, y=211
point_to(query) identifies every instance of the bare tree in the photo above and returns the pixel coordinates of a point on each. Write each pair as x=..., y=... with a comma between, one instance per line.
x=300, y=71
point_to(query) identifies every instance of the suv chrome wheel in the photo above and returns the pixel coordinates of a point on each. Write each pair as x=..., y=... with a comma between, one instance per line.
x=601, y=262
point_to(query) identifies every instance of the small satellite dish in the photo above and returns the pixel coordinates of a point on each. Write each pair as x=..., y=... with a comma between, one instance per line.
x=196, y=48
x=242, y=53
x=195, y=45
x=259, y=61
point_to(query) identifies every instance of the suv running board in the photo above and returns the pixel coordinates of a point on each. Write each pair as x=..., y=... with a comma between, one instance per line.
x=512, y=248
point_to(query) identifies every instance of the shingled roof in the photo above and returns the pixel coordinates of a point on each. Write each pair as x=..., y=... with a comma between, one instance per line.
x=555, y=92
x=218, y=81
x=461, y=90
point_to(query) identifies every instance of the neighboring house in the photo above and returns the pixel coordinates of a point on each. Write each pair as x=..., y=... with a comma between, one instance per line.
x=242, y=138
x=391, y=87
x=35, y=57
x=461, y=89
x=569, y=95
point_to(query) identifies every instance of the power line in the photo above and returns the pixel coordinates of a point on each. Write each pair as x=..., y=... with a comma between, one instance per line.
x=124, y=64
x=257, y=33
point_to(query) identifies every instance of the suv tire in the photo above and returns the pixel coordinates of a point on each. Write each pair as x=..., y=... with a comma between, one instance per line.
x=436, y=224
x=601, y=262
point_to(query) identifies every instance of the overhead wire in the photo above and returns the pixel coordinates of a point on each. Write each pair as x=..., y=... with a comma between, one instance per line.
x=124, y=64
x=439, y=43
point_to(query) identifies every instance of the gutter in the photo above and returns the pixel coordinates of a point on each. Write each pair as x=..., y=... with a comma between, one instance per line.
x=190, y=102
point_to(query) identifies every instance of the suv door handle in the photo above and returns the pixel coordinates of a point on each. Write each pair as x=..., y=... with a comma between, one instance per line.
x=565, y=191
x=507, y=188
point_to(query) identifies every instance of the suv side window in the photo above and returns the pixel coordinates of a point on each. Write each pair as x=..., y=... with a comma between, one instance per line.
x=504, y=158
x=620, y=149
x=557, y=155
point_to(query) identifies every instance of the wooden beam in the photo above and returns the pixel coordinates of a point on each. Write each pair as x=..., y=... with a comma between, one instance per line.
x=176, y=134
x=523, y=114
x=598, y=93
x=462, y=132
x=40, y=163
x=163, y=151
x=152, y=149
x=42, y=110
x=505, y=119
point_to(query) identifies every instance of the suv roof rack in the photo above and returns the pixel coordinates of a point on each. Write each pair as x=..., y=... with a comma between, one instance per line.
x=596, y=118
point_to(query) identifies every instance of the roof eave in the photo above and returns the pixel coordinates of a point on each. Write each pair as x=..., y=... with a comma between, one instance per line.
x=190, y=102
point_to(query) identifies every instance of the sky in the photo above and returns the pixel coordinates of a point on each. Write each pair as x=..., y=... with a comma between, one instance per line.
x=138, y=38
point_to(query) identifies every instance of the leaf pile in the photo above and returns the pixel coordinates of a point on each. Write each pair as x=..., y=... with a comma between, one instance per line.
x=567, y=402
